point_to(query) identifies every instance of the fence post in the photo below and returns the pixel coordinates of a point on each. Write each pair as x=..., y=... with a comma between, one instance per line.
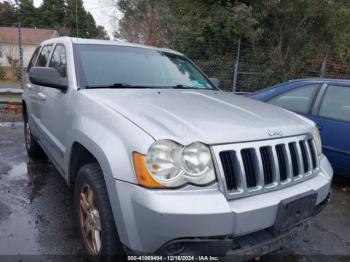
x=20, y=53
x=324, y=64
x=235, y=73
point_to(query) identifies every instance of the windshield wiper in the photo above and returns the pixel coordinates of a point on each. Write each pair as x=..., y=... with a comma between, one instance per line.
x=183, y=87
x=116, y=85
x=123, y=85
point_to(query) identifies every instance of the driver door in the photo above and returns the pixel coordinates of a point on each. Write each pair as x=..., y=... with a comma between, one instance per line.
x=55, y=107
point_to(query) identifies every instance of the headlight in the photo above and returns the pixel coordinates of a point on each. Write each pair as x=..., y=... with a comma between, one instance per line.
x=197, y=164
x=317, y=138
x=172, y=165
x=163, y=162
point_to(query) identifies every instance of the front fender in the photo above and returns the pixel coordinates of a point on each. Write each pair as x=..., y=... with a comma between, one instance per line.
x=112, y=144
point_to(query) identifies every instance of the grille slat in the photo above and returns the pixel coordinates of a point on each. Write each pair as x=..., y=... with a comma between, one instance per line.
x=266, y=162
x=281, y=162
x=304, y=156
x=300, y=158
x=313, y=153
x=258, y=166
x=294, y=158
x=249, y=167
x=228, y=160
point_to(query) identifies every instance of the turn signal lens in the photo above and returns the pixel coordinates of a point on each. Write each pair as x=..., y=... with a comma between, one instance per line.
x=317, y=138
x=144, y=178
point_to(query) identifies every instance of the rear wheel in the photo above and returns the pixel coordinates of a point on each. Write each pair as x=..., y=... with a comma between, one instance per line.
x=33, y=148
x=94, y=215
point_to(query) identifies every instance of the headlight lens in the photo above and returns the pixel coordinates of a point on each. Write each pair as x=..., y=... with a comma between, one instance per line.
x=163, y=161
x=196, y=159
x=173, y=165
x=317, y=138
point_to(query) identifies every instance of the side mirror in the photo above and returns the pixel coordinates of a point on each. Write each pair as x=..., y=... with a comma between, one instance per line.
x=47, y=76
x=215, y=81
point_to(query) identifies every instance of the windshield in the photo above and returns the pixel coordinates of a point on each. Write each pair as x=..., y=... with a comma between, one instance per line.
x=131, y=67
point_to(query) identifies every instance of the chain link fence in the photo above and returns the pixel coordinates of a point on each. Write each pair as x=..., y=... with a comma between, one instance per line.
x=245, y=67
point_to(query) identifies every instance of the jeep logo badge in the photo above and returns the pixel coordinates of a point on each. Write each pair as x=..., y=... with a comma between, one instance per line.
x=275, y=132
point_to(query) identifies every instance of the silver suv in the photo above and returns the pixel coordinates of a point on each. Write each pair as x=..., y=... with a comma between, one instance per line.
x=161, y=160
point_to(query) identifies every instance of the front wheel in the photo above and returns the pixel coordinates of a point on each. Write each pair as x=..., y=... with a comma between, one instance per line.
x=33, y=148
x=94, y=215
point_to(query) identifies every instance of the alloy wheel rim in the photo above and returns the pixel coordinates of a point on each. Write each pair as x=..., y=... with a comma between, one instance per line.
x=90, y=220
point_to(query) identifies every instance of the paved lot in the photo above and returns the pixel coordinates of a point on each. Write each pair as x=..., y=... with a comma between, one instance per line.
x=36, y=213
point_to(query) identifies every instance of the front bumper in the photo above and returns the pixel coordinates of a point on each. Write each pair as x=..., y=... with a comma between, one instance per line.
x=148, y=220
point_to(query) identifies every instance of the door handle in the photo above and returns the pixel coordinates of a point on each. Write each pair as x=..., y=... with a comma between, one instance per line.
x=42, y=96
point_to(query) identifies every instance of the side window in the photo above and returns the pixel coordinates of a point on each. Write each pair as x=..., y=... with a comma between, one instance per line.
x=44, y=55
x=298, y=100
x=33, y=59
x=336, y=103
x=58, y=60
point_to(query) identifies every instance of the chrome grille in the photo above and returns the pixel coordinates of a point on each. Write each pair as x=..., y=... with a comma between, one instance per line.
x=257, y=167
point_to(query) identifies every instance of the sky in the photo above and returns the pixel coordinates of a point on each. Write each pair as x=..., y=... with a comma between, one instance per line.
x=103, y=11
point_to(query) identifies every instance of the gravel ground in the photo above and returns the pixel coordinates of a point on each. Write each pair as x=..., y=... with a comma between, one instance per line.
x=36, y=213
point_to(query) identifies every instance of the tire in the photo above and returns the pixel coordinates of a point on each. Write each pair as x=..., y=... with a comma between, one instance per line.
x=33, y=148
x=109, y=248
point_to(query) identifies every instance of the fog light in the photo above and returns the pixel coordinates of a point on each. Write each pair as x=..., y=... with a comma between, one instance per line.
x=175, y=249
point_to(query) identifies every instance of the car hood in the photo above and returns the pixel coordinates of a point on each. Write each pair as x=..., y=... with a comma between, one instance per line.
x=211, y=117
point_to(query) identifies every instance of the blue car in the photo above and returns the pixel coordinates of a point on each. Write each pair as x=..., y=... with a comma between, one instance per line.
x=326, y=102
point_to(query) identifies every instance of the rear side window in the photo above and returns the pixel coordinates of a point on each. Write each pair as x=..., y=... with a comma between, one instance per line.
x=297, y=100
x=33, y=59
x=44, y=55
x=336, y=103
x=58, y=60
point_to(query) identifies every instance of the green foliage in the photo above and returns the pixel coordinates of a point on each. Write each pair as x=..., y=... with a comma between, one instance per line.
x=55, y=14
x=28, y=14
x=52, y=13
x=160, y=22
x=101, y=33
x=86, y=24
x=286, y=38
x=7, y=14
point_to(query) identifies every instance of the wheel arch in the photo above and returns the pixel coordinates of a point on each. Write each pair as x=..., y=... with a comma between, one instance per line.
x=79, y=157
x=83, y=151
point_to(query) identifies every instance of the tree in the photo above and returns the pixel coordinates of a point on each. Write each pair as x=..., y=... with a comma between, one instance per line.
x=101, y=33
x=28, y=14
x=55, y=14
x=52, y=14
x=158, y=21
x=12, y=56
x=295, y=35
x=286, y=38
x=80, y=22
x=7, y=14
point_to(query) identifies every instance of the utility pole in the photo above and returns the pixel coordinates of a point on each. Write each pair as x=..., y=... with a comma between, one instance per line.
x=235, y=74
x=324, y=64
x=20, y=44
x=76, y=18
x=21, y=75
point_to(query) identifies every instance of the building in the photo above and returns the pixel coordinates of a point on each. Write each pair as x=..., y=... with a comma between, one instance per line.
x=31, y=38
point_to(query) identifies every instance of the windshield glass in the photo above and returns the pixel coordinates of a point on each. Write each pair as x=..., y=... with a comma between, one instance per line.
x=121, y=66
